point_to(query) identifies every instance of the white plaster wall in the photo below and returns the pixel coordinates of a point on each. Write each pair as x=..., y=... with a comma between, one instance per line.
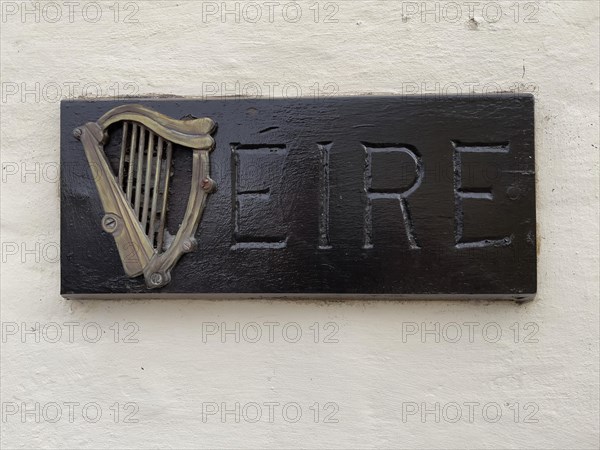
x=371, y=374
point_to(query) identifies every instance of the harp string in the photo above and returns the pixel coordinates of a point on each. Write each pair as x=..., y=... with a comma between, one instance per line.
x=139, y=175
x=147, y=184
x=123, y=152
x=165, y=194
x=155, y=190
x=132, y=148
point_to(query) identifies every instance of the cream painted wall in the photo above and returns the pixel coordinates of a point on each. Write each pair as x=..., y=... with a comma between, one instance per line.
x=371, y=378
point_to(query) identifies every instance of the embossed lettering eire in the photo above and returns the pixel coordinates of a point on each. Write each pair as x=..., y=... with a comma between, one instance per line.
x=356, y=197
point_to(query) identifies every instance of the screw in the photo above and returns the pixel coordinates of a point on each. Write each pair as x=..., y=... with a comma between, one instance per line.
x=77, y=133
x=188, y=245
x=207, y=184
x=156, y=279
x=110, y=222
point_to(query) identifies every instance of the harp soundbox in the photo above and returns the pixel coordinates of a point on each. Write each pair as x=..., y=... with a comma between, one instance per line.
x=135, y=197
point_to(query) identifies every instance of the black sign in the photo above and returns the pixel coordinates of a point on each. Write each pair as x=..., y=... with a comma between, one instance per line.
x=356, y=197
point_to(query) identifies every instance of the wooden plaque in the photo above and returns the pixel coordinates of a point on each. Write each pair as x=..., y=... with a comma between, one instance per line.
x=351, y=197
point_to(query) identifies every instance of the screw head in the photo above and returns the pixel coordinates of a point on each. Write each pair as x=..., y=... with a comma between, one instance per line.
x=109, y=223
x=156, y=279
x=207, y=184
x=188, y=245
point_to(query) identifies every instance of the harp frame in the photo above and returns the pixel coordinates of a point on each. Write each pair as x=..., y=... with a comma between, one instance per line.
x=136, y=250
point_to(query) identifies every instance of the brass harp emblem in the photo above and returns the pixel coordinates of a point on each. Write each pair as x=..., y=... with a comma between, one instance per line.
x=135, y=200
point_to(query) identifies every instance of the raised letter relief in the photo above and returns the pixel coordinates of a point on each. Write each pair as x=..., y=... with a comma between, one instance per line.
x=257, y=171
x=461, y=193
x=135, y=200
x=378, y=190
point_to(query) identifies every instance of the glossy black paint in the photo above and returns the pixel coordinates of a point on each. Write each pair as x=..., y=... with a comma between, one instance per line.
x=296, y=177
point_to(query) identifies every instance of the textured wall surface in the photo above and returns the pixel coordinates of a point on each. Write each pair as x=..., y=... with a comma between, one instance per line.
x=361, y=374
